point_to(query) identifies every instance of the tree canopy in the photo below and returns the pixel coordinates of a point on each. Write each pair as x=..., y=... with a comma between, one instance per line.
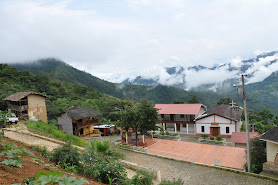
x=141, y=118
x=193, y=100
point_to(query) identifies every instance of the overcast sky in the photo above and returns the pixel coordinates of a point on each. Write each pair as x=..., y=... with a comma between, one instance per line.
x=114, y=39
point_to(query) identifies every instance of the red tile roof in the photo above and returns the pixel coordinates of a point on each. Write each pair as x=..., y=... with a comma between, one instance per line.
x=226, y=156
x=240, y=137
x=178, y=108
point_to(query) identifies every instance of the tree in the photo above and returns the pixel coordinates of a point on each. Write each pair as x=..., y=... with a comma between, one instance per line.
x=141, y=118
x=257, y=154
x=178, y=102
x=226, y=101
x=265, y=115
x=193, y=100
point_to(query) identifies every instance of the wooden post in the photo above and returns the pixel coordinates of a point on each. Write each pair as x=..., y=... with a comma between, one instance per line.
x=143, y=137
x=126, y=139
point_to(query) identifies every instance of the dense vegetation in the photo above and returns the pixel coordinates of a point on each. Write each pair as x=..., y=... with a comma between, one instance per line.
x=60, y=94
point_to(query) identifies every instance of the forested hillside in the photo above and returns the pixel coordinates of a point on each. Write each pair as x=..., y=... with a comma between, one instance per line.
x=60, y=94
x=56, y=70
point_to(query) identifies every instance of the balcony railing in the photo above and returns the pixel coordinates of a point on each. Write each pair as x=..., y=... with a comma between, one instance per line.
x=183, y=120
x=19, y=108
x=87, y=123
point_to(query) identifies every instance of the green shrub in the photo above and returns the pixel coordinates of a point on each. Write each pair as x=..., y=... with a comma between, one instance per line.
x=212, y=137
x=100, y=161
x=204, y=136
x=167, y=133
x=53, y=132
x=218, y=138
x=42, y=150
x=140, y=178
x=66, y=156
x=174, y=182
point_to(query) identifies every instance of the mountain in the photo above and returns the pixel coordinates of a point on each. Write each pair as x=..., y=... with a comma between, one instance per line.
x=59, y=70
x=219, y=78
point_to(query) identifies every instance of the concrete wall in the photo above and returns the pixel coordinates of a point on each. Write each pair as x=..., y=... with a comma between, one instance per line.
x=37, y=108
x=271, y=151
x=66, y=123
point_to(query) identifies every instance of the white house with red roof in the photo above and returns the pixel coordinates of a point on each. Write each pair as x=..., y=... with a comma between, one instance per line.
x=179, y=117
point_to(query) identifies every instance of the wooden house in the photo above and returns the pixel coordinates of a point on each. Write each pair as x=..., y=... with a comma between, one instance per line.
x=27, y=106
x=79, y=121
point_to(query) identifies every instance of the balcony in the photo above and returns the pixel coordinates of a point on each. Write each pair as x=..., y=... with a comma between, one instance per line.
x=176, y=120
x=18, y=108
x=87, y=123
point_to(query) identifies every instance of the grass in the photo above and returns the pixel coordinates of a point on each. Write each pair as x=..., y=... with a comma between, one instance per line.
x=53, y=132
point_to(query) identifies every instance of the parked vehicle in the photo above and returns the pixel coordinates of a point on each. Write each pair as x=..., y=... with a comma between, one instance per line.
x=11, y=118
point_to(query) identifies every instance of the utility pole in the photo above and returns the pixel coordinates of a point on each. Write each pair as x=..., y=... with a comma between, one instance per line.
x=131, y=92
x=246, y=124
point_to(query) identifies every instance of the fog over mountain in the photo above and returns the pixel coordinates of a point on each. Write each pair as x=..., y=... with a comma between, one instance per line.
x=217, y=78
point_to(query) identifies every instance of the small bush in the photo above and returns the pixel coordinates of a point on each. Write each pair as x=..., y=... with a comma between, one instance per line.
x=141, y=178
x=174, y=182
x=212, y=137
x=167, y=133
x=204, y=136
x=42, y=150
x=218, y=138
x=66, y=156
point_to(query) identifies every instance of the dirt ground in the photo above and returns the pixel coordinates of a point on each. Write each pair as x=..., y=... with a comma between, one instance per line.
x=30, y=167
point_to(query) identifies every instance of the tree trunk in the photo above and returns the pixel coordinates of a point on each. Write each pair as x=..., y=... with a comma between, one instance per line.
x=136, y=136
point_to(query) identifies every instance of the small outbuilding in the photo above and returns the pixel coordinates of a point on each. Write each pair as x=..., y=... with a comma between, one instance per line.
x=79, y=121
x=271, y=138
x=239, y=138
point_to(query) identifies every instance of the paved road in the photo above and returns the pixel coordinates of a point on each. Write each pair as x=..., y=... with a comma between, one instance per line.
x=193, y=174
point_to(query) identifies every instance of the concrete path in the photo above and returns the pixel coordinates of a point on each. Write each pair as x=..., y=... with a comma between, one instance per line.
x=193, y=174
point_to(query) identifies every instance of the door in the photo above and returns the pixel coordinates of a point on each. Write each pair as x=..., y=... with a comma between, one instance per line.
x=215, y=131
x=178, y=127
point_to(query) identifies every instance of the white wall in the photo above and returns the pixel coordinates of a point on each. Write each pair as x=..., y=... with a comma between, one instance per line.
x=209, y=119
x=199, y=128
x=271, y=151
x=223, y=129
x=219, y=119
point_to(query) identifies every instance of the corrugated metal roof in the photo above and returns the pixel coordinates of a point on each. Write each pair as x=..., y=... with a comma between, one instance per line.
x=178, y=108
x=240, y=137
x=271, y=135
x=20, y=95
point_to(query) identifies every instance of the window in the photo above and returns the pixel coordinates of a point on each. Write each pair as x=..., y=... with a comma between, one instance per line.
x=227, y=130
x=184, y=125
x=182, y=115
x=203, y=128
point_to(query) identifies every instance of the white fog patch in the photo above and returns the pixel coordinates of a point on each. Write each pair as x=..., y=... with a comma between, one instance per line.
x=236, y=62
x=261, y=72
x=207, y=76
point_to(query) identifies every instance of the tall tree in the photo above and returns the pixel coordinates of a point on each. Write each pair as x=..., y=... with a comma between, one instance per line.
x=141, y=118
x=258, y=154
x=193, y=100
x=265, y=115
